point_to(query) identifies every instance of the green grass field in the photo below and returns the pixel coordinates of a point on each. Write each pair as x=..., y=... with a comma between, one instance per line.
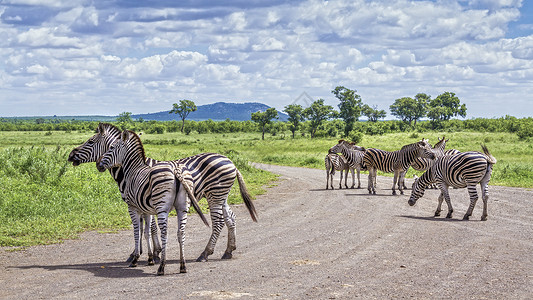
x=44, y=199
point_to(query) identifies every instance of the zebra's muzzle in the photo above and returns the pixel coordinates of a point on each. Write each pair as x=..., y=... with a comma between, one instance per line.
x=72, y=157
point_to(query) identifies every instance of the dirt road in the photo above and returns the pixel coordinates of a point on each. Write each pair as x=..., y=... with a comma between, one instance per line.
x=309, y=243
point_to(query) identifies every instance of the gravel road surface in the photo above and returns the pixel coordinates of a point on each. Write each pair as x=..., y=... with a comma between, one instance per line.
x=309, y=243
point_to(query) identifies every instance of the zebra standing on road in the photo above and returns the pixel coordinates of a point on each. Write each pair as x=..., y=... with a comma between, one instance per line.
x=354, y=156
x=91, y=151
x=213, y=176
x=461, y=170
x=423, y=164
x=152, y=190
x=396, y=161
x=335, y=162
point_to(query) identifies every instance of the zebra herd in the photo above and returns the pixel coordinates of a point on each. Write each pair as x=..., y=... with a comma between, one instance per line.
x=150, y=187
x=443, y=168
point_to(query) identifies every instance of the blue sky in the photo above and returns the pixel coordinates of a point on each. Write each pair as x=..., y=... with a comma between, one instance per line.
x=78, y=57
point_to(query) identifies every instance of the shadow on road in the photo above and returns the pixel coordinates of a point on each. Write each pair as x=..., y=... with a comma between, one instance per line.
x=108, y=270
x=437, y=219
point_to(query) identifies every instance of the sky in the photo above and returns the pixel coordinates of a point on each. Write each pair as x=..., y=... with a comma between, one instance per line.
x=105, y=57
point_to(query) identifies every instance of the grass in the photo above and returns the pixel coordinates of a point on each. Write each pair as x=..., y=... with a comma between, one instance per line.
x=45, y=200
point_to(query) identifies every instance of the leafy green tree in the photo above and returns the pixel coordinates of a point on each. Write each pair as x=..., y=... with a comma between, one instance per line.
x=373, y=113
x=318, y=113
x=264, y=118
x=350, y=107
x=124, y=119
x=183, y=110
x=408, y=109
x=444, y=107
x=295, y=112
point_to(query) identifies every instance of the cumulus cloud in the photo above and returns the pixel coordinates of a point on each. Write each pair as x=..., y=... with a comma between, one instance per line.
x=144, y=57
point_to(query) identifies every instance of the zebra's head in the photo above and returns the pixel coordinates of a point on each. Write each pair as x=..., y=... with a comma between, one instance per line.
x=440, y=146
x=417, y=191
x=425, y=150
x=95, y=146
x=114, y=155
x=342, y=144
x=125, y=150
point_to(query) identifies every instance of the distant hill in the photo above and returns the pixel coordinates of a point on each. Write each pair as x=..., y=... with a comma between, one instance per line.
x=217, y=112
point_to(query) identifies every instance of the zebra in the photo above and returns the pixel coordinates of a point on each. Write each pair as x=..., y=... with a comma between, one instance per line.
x=335, y=162
x=152, y=190
x=213, y=176
x=423, y=164
x=464, y=169
x=354, y=156
x=396, y=161
x=91, y=151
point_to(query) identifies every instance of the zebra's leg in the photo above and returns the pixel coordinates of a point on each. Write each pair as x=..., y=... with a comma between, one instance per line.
x=358, y=177
x=148, y=237
x=327, y=178
x=229, y=218
x=439, y=206
x=182, y=208
x=485, y=192
x=136, y=221
x=444, y=191
x=217, y=221
x=162, y=221
x=395, y=180
x=401, y=182
x=370, y=180
x=331, y=180
x=352, y=170
x=155, y=239
x=340, y=182
x=472, y=191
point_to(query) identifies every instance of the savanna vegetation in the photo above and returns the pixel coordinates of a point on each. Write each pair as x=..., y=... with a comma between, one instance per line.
x=44, y=199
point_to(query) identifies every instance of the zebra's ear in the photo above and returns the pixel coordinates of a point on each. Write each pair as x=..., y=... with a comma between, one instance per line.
x=125, y=135
x=101, y=128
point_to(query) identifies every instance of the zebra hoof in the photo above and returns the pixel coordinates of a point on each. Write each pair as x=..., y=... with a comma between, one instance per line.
x=466, y=217
x=483, y=218
x=161, y=270
x=201, y=258
x=449, y=216
x=130, y=259
x=183, y=269
x=227, y=255
x=374, y=192
x=150, y=261
x=157, y=259
x=133, y=265
x=437, y=214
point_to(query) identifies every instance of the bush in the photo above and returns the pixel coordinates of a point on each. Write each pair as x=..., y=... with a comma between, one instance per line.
x=158, y=129
x=355, y=136
x=525, y=132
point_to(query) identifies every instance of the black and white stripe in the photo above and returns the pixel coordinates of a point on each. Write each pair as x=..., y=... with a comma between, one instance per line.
x=334, y=162
x=460, y=170
x=354, y=156
x=396, y=162
x=212, y=174
x=152, y=190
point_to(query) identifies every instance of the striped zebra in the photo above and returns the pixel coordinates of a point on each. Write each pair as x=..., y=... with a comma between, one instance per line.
x=91, y=151
x=335, y=162
x=354, y=156
x=213, y=176
x=152, y=190
x=423, y=164
x=396, y=161
x=465, y=169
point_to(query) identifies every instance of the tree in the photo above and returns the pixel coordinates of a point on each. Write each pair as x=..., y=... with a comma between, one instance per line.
x=350, y=107
x=408, y=109
x=318, y=113
x=124, y=119
x=295, y=112
x=183, y=109
x=444, y=107
x=372, y=113
x=264, y=118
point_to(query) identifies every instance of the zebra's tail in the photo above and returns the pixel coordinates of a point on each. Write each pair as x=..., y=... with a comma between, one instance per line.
x=246, y=196
x=491, y=159
x=189, y=189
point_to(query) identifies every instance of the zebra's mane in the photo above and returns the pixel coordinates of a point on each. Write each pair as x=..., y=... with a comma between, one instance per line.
x=107, y=127
x=133, y=135
x=409, y=146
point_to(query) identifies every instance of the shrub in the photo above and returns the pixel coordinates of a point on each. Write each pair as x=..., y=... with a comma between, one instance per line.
x=525, y=132
x=355, y=136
